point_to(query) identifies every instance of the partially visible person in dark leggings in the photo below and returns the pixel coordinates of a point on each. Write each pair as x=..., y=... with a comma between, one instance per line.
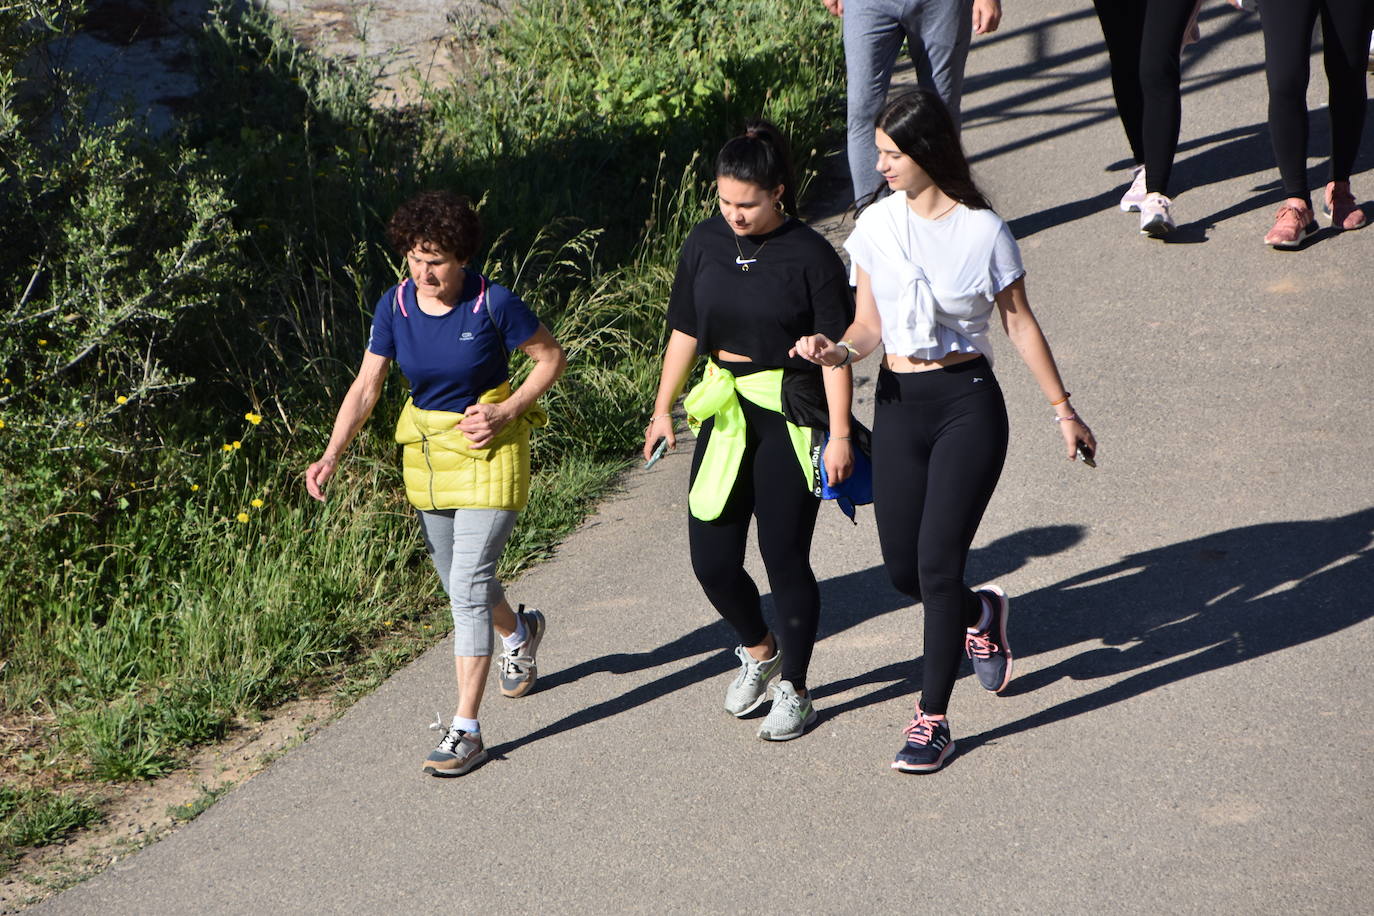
x=1144, y=39
x=1288, y=26
x=931, y=261
x=749, y=282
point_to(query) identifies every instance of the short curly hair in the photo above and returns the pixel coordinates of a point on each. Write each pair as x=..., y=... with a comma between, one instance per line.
x=438, y=219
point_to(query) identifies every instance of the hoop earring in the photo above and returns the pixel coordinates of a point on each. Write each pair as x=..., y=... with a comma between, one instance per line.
x=777, y=205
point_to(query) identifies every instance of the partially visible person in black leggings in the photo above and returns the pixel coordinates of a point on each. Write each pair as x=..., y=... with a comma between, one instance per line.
x=1144, y=38
x=786, y=512
x=749, y=282
x=1288, y=26
x=940, y=424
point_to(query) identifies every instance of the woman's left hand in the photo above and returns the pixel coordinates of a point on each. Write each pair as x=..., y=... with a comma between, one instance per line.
x=481, y=423
x=1074, y=432
x=839, y=460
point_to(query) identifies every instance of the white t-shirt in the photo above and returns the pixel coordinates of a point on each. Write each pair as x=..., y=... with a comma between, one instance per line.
x=934, y=280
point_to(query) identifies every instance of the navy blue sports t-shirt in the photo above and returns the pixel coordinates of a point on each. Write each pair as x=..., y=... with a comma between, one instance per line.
x=451, y=359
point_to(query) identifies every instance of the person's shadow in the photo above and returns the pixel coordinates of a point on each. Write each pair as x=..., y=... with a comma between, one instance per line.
x=1167, y=614
x=846, y=601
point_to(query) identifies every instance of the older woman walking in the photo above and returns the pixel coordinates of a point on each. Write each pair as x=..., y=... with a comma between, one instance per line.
x=465, y=434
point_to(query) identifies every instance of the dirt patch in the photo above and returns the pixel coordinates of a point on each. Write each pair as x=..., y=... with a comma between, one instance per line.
x=137, y=814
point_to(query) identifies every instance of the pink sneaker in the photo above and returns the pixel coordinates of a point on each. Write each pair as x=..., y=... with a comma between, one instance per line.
x=1155, y=219
x=1293, y=223
x=1135, y=194
x=1340, y=206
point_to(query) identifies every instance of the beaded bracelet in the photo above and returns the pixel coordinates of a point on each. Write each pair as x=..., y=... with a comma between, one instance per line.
x=1072, y=416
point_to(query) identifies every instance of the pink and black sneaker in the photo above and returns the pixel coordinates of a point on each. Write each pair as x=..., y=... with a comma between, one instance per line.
x=988, y=647
x=928, y=745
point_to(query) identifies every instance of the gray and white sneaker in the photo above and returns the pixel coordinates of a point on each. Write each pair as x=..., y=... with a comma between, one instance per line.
x=790, y=716
x=517, y=667
x=749, y=689
x=457, y=753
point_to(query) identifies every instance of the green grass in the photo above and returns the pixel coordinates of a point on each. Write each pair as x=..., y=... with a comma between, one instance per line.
x=157, y=601
x=36, y=817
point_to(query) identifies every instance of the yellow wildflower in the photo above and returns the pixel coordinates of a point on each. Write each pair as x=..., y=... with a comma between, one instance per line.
x=42, y=341
x=80, y=423
x=2, y=424
x=242, y=516
x=386, y=623
x=121, y=400
x=254, y=418
x=236, y=444
x=227, y=447
x=195, y=487
x=256, y=504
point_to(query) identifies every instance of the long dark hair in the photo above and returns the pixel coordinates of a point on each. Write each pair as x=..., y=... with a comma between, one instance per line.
x=921, y=126
x=760, y=157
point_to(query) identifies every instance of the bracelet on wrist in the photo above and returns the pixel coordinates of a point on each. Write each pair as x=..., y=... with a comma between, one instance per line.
x=1072, y=416
x=1063, y=400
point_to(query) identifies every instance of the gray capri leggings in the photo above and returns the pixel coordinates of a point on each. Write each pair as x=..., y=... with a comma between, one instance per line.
x=464, y=545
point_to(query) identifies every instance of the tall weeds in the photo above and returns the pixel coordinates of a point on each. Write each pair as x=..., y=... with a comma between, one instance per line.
x=182, y=316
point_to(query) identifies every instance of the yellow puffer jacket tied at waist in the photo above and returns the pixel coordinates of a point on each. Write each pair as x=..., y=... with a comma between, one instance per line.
x=717, y=395
x=443, y=471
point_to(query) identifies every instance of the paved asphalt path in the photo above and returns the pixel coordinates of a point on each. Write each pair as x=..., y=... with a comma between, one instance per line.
x=1189, y=727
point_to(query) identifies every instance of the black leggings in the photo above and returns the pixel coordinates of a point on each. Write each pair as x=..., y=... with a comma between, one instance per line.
x=1287, y=28
x=771, y=488
x=1144, y=38
x=939, y=441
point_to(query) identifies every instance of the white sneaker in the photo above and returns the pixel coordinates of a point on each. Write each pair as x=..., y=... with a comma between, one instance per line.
x=749, y=689
x=1135, y=194
x=790, y=716
x=1155, y=220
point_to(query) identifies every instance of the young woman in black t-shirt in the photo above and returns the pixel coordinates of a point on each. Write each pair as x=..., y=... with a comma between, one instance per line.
x=750, y=282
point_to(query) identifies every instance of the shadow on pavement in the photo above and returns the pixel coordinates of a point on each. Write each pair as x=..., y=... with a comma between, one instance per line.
x=1190, y=608
x=846, y=601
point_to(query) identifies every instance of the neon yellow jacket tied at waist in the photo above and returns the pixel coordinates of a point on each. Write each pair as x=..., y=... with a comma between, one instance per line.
x=443, y=471
x=717, y=395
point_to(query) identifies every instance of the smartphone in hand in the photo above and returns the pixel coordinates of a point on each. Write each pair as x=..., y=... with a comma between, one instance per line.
x=1085, y=453
x=659, y=449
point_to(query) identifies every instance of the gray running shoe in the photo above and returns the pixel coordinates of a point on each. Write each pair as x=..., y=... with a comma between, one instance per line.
x=750, y=687
x=790, y=716
x=988, y=648
x=517, y=666
x=457, y=753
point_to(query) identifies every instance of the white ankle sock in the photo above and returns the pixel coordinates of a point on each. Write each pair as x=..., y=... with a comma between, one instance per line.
x=516, y=639
x=471, y=726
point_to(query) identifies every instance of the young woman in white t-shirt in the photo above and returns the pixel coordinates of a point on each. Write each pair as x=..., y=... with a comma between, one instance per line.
x=930, y=261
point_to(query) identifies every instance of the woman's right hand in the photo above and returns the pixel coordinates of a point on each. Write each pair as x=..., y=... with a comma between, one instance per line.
x=318, y=474
x=818, y=349
x=660, y=427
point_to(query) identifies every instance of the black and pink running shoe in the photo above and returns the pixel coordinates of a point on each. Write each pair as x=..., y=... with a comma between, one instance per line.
x=928, y=745
x=988, y=647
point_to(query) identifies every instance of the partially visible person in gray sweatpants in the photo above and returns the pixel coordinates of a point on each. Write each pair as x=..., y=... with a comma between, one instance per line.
x=938, y=33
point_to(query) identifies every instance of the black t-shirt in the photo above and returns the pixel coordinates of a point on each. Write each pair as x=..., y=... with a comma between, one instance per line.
x=796, y=285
